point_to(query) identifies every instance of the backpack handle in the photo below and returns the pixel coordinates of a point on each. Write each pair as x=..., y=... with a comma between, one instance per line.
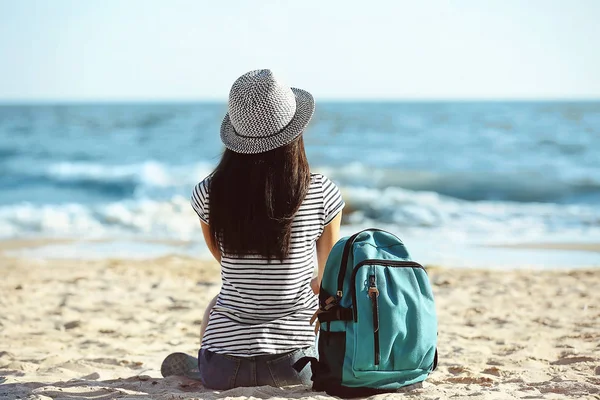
x=346, y=256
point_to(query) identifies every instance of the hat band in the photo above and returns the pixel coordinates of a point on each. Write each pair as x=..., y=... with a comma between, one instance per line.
x=262, y=137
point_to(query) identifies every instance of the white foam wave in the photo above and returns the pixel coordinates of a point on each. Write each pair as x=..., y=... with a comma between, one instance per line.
x=428, y=212
x=399, y=210
x=148, y=173
x=140, y=218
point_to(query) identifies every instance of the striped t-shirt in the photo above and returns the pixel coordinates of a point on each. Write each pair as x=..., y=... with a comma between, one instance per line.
x=265, y=307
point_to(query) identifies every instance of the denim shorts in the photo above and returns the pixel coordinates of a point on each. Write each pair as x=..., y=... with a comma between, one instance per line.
x=222, y=372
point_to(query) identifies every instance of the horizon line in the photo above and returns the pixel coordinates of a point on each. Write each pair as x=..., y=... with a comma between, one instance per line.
x=98, y=101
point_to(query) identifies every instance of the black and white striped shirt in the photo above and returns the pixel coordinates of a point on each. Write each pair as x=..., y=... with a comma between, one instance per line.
x=265, y=307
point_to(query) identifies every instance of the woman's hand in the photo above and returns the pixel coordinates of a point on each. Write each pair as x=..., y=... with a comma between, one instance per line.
x=314, y=285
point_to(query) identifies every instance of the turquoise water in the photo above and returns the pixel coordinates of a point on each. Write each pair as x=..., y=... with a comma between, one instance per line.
x=463, y=173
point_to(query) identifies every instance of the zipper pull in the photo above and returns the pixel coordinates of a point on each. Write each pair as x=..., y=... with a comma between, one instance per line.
x=372, y=286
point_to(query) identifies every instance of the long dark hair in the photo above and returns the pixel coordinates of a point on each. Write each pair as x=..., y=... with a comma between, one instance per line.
x=254, y=198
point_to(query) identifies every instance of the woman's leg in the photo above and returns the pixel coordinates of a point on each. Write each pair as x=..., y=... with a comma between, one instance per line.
x=206, y=317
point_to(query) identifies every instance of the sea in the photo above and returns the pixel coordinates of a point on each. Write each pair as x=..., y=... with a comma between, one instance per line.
x=455, y=180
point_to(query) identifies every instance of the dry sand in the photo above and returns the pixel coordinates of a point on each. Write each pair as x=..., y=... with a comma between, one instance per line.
x=100, y=329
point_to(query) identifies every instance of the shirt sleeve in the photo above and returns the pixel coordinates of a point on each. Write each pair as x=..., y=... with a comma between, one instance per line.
x=332, y=200
x=199, y=200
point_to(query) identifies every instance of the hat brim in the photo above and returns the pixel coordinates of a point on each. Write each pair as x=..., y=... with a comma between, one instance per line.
x=305, y=107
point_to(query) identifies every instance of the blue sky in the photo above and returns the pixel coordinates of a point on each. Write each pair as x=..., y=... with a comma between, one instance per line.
x=192, y=50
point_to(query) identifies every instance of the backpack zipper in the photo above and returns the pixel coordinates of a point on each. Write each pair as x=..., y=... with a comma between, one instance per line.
x=373, y=294
x=385, y=263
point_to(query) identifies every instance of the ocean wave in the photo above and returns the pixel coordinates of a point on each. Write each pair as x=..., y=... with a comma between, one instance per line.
x=140, y=218
x=149, y=178
x=84, y=180
x=429, y=212
x=398, y=209
x=148, y=173
x=474, y=186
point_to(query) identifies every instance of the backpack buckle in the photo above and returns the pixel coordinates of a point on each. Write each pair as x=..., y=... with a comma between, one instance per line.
x=339, y=294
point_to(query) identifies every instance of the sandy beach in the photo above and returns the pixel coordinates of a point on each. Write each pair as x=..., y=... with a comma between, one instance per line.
x=99, y=329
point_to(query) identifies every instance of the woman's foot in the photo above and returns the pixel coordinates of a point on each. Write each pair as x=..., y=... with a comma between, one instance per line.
x=180, y=364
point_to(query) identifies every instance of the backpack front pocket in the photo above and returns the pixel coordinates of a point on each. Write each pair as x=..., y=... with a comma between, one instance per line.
x=388, y=334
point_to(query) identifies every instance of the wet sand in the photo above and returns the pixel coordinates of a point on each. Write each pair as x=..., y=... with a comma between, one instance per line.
x=593, y=247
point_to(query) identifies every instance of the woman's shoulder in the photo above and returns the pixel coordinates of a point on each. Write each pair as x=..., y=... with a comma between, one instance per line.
x=317, y=177
x=200, y=192
x=320, y=180
x=204, y=183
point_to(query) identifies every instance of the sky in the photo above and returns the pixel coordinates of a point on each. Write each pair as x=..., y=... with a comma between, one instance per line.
x=177, y=50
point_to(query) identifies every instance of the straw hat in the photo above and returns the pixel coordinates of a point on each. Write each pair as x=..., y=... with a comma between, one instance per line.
x=264, y=113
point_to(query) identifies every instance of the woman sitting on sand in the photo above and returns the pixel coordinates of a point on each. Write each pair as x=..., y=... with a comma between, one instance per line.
x=263, y=214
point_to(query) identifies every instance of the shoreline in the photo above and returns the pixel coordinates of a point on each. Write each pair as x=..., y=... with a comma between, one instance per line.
x=527, y=255
x=563, y=246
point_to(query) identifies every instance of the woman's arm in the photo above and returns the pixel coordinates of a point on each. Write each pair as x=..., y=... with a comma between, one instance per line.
x=210, y=243
x=330, y=235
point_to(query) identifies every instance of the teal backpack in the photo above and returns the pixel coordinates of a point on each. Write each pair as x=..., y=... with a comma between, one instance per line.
x=378, y=324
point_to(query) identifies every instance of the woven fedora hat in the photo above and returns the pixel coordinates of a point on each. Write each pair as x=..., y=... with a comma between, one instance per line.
x=264, y=113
